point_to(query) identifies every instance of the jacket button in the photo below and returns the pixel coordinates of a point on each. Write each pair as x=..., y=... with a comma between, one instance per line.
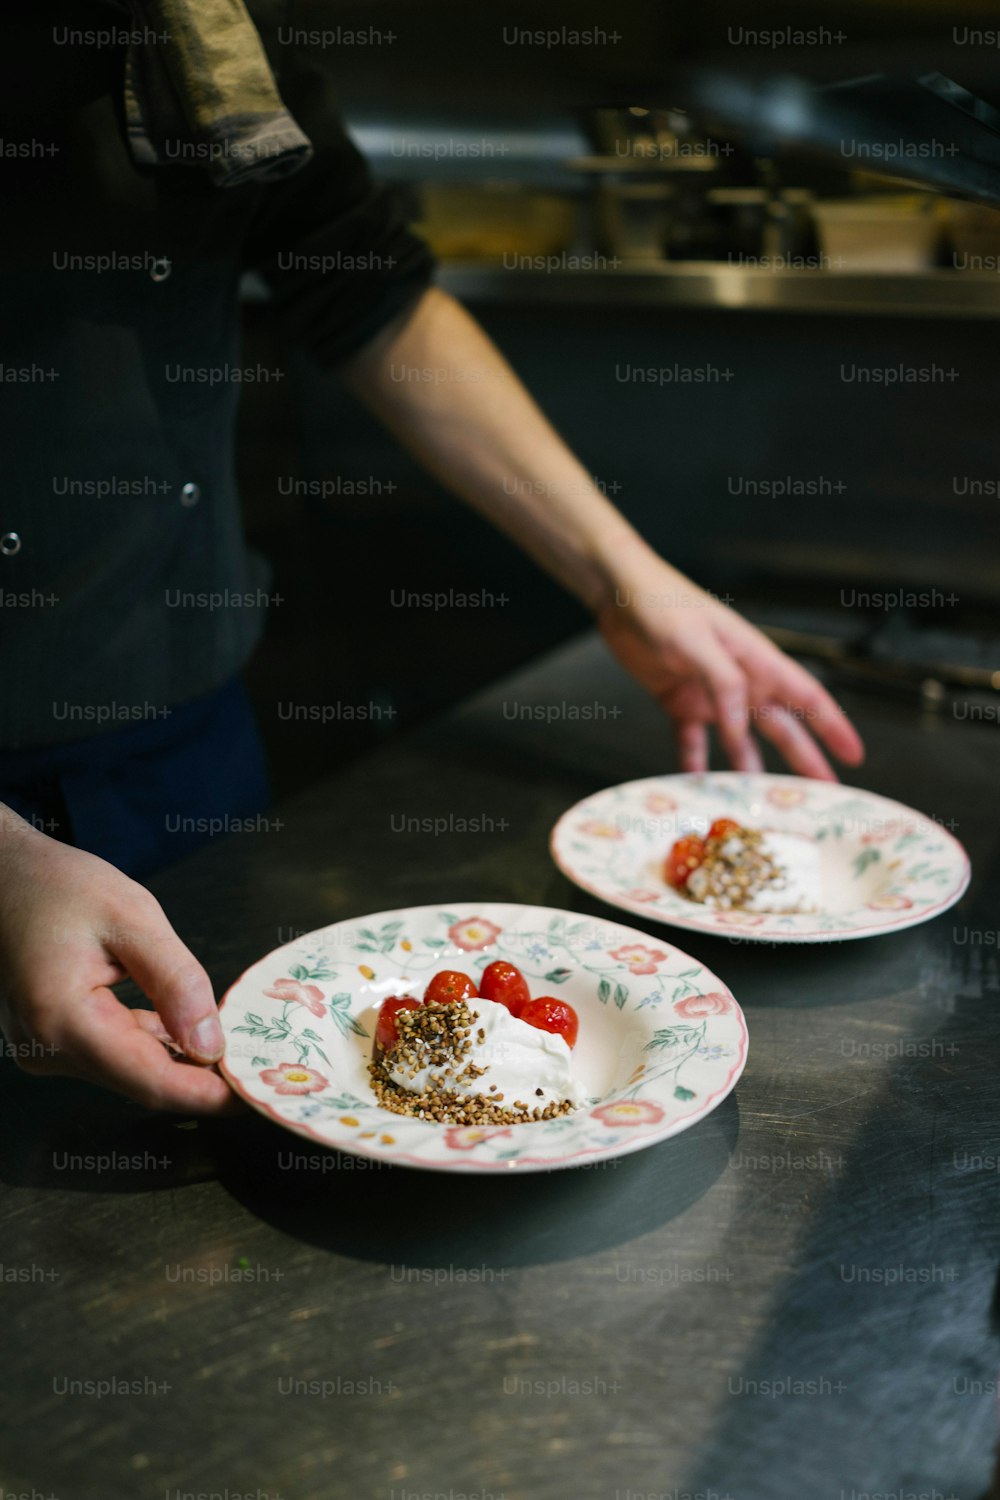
x=160, y=269
x=190, y=494
x=10, y=544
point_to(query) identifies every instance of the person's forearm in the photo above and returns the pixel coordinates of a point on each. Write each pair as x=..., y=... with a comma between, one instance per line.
x=442, y=387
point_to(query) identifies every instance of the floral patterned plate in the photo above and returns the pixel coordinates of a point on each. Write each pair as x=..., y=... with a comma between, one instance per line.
x=662, y=1041
x=882, y=865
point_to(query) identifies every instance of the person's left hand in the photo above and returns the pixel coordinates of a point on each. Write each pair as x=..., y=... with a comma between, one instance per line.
x=708, y=666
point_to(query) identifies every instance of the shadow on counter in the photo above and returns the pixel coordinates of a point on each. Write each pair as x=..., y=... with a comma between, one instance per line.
x=372, y=1211
x=62, y=1135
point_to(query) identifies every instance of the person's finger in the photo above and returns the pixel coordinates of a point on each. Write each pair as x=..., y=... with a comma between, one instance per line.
x=727, y=688
x=106, y=1043
x=778, y=678
x=794, y=742
x=726, y=685
x=150, y=1021
x=692, y=745
x=800, y=691
x=752, y=758
x=169, y=974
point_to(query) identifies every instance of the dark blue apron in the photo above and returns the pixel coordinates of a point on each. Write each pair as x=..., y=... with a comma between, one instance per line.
x=146, y=794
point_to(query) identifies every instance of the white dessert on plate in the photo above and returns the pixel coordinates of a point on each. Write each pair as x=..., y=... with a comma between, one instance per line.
x=473, y=1062
x=759, y=870
x=517, y=1061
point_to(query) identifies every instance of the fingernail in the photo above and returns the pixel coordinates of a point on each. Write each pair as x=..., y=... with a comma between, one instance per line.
x=207, y=1039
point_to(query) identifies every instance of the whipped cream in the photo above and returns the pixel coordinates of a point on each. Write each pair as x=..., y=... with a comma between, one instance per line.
x=800, y=888
x=523, y=1062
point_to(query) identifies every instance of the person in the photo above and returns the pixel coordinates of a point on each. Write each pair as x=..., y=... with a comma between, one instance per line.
x=133, y=205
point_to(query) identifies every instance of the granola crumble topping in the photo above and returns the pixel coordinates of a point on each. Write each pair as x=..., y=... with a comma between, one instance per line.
x=438, y=1036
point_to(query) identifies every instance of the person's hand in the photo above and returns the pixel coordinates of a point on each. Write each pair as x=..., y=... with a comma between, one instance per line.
x=70, y=926
x=708, y=666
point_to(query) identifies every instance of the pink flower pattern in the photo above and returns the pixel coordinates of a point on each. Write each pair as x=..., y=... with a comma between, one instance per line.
x=308, y=995
x=474, y=933
x=892, y=828
x=629, y=1112
x=660, y=802
x=786, y=796
x=294, y=1078
x=597, y=828
x=638, y=958
x=465, y=1137
x=712, y=1004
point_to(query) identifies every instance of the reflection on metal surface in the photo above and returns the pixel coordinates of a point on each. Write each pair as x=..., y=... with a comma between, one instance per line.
x=747, y=288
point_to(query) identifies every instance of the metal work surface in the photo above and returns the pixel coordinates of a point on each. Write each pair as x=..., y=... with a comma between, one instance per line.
x=793, y=1299
x=732, y=288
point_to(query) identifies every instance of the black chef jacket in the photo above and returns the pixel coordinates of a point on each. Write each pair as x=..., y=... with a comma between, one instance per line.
x=121, y=368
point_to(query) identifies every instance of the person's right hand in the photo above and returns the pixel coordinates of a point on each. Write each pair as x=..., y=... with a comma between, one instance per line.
x=708, y=667
x=71, y=925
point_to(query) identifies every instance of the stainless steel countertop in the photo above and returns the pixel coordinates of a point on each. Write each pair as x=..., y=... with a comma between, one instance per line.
x=723, y=287
x=793, y=1299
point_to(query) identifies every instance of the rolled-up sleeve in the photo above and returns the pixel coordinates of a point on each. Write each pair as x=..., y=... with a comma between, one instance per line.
x=333, y=245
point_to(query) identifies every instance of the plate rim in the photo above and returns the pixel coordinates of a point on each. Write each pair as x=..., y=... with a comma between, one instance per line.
x=528, y=1164
x=750, y=935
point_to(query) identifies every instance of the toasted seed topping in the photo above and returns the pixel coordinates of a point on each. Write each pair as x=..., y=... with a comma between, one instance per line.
x=735, y=869
x=437, y=1036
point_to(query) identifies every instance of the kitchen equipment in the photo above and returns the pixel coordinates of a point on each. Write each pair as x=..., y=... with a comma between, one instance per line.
x=884, y=232
x=488, y=220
